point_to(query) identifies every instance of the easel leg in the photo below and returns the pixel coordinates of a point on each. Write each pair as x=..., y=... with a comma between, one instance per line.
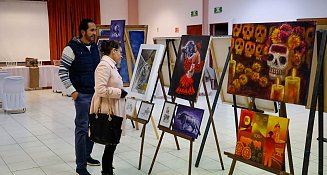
x=232, y=167
x=190, y=159
x=321, y=125
x=213, y=125
x=176, y=141
x=142, y=145
x=136, y=123
x=132, y=123
x=288, y=143
x=321, y=43
x=156, y=153
x=154, y=127
x=235, y=114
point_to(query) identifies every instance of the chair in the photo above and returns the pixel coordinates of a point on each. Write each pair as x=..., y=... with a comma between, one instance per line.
x=3, y=74
x=14, y=94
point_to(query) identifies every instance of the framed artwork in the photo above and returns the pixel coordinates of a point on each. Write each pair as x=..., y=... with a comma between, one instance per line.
x=130, y=106
x=172, y=56
x=145, y=111
x=134, y=33
x=188, y=71
x=262, y=138
x=272, y=61
x=167, y=114
x=146, y=71
x=188, y=120
x=137, y=35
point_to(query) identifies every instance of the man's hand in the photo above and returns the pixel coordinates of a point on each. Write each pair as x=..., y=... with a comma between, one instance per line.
x=74, y=95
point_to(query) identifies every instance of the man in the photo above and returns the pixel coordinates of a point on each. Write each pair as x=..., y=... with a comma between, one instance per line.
x=79, y=60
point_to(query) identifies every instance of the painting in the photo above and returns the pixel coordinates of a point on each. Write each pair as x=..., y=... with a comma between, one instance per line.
x=137, y=35
x=167, y=114
x=145, y=111
x=188, y=70
x=262, y=139
x=146, y=71
x=130, y=49
x=169, y=56
x=188, y=120
x=130, y=106
x=271, y=61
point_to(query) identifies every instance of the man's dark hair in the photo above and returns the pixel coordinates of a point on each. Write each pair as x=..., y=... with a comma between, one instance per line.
x=84, y=25
x=107, y=46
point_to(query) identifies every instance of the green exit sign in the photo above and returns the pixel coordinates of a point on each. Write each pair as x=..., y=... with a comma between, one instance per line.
x=194, y=13
x=218, y=10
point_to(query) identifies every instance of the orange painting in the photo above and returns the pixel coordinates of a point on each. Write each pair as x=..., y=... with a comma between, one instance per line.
x=271, y=60
x=262, y=139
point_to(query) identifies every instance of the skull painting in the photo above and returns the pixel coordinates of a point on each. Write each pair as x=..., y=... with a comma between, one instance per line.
x=259, y=51
x=249, y=49
x=260, y=33
x=237, y=28
x=239, y=46
x=248, y=31
x=277, y=61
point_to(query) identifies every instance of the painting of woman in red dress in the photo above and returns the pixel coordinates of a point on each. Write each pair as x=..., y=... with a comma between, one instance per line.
x=189, y=67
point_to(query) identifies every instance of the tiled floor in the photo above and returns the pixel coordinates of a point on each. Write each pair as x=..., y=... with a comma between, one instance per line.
x=41, y=141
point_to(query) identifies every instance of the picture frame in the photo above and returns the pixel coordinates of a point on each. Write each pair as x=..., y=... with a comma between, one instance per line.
x=272, y=61
x=130, y=106
x=145, y=111
x=146, y=71
x=187, y=120
x=189, y=67
x=137, y=35
x=167, y=114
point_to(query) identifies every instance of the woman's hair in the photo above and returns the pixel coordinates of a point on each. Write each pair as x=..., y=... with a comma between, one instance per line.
x=107, y=46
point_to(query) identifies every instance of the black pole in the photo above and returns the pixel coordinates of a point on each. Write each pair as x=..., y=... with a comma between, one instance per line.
x=205, y=135
x=321, y=38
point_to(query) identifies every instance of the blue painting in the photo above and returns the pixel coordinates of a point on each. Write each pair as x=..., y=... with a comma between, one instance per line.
x=104, y=33
x=188, y=120
x=117, y=31
x=136, y=39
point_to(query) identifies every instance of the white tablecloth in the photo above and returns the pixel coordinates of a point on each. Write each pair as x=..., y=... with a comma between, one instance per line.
x=46, y=74
x=19, y=71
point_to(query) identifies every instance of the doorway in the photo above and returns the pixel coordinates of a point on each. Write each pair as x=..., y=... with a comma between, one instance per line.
x=194, y=29
x=219, y=29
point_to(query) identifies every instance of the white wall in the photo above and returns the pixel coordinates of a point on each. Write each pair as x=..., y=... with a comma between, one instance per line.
x=24, y=31
x=240, y=11
x=163, y=16
x=113, y=9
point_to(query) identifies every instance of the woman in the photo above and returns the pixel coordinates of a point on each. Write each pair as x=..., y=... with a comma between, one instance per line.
x=109, y=97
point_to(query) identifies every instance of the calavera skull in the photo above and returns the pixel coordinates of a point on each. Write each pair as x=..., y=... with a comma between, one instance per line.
x=237, y=28
x=277, y=61
x=259, y=51
x=249, y=49
x=239, y=46
x=248, y=31
x=260, y=33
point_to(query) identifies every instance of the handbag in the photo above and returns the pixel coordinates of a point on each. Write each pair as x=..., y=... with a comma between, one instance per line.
x=105, y=128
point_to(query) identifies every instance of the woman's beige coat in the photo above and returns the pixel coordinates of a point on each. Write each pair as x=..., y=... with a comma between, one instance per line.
x=108, y=85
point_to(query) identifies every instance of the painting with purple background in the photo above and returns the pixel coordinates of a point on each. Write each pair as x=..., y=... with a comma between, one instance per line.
x=188, y=120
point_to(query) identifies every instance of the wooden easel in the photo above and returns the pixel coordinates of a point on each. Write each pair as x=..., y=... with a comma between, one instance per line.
x=188, y=137
x=144, y=122
x=317, y=96
x=282, y=113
